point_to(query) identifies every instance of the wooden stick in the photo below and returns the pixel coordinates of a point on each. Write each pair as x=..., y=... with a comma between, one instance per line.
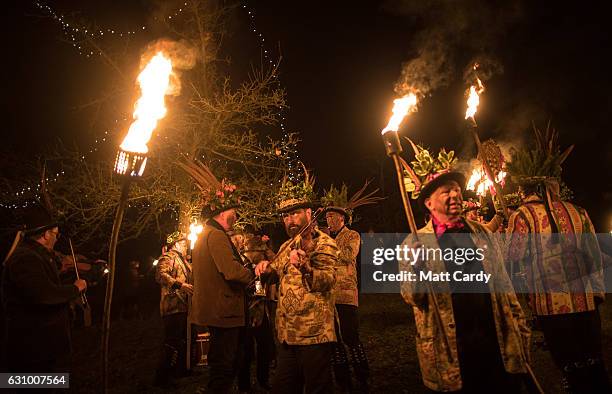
x=76, y=270
x=413, y=230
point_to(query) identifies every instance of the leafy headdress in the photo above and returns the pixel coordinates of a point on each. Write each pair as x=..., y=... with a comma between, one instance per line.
x=542, y=163
x=426, y=173
x=217, y=196
x=296, y=195
x=337, y=200
x=540, y=168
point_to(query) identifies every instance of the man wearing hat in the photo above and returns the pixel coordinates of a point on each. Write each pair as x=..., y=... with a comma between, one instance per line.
x=555, y=244
x=36, y=303
x=471, y=335
x=305, y=313
x=219, y=278
x=338, y=213
x=173, y=273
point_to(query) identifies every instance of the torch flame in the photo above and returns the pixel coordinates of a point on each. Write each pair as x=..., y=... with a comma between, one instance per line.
x=400, y=108
x=154, y=81
x=480, y=183
x=195, y=229
x=474, y=99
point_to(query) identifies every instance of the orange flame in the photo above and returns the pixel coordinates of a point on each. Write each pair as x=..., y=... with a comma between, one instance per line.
x=154, y=81
x=195, y=229
x=480, y=183
x=474, y=99
x=400, y=108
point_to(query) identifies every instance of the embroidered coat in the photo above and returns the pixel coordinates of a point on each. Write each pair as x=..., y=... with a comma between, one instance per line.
x=563, y=275
x=172, y=271
x=439, y=371
x=345, y=290
x=305, y=312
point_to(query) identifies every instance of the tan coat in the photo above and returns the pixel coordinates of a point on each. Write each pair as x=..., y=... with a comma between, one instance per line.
x=305, y=312
x=345, y=290
x=439, y=372
x=172, y=271
x=219, y=280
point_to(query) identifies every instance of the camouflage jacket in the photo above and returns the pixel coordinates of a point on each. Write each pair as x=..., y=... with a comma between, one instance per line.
x=305, y=312
x=345, y=290
x=440, y=371
x=172, y=271
x=561, y=277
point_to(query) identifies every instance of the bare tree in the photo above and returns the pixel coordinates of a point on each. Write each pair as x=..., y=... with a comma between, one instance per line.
x=215, y=120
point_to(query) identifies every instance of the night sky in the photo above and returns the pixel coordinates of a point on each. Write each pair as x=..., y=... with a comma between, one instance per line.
x=340, y=62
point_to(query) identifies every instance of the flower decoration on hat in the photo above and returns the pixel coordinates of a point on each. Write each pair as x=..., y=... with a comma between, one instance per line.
x=425, y=168
x=217, y=196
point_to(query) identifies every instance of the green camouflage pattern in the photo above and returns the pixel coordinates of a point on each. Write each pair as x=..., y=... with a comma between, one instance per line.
x=171, y=271
x=305, y=312
x=345, y=290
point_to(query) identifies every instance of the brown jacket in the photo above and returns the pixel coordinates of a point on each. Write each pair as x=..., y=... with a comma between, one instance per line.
x=439, y=372
x=345, y=290
x=219, y=280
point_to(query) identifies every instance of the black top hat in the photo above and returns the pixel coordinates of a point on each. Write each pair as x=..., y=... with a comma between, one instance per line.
x=438, y=181
x=37, y=219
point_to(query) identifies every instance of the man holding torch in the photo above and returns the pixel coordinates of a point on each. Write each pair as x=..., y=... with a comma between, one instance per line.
x=305, y=314
x=555, y=245
x=471, y=336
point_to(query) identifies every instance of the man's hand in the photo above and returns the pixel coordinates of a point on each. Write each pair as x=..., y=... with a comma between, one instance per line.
x=187, y=288
x=296, y=256
x=261, y=267
x=81, y=285
x=419, y=264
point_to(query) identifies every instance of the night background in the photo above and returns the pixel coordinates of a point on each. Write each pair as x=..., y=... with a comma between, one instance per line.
x=339, y=64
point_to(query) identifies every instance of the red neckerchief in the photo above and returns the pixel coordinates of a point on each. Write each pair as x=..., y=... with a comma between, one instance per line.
x=440, y=228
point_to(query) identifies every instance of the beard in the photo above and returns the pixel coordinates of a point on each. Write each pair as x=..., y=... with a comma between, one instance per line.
x=293, y=229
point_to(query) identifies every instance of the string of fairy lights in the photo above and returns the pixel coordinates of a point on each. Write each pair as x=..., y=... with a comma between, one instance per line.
x=79, y=36
x=290, y=155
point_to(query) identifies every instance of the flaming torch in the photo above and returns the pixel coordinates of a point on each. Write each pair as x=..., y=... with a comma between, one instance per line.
x=154, y=81
x=393, y=148
x=472, y=106
x=195, y=229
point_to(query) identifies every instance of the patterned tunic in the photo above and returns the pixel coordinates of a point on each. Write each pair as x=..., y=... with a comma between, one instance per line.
x=305, y=312
x=172, y=271
x=439, y=371
x=564, y=276
x=345, y=290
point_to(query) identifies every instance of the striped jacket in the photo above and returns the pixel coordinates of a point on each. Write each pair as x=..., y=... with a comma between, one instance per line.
x=564, y=275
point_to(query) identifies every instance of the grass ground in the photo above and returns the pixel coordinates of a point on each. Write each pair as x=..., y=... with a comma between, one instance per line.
x=387, y=331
